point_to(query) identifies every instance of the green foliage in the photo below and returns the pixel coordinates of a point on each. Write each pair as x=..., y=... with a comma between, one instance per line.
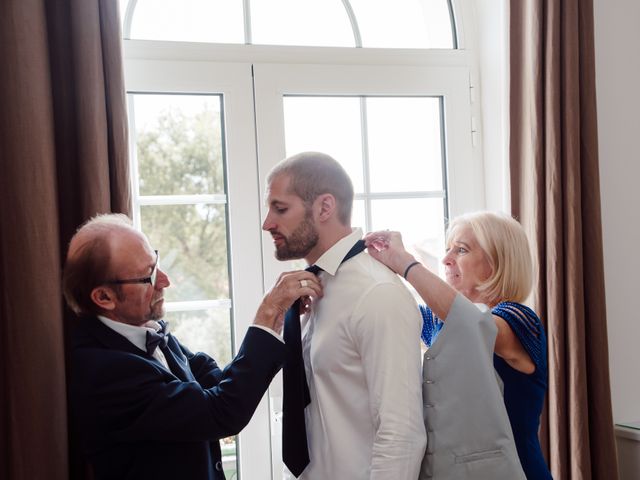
x=183, y=155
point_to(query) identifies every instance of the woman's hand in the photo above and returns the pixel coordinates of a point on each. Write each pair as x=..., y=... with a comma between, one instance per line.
x=387, y=247
x=288, y=288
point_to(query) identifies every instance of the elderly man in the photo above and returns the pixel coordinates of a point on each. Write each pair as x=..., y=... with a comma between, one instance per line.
x=146, y=406
x=359, y=342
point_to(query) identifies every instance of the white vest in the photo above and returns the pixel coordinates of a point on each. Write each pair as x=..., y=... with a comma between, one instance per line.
x=468, y=432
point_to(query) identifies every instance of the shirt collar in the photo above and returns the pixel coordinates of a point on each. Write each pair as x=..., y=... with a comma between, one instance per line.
x=330, y=260
x=136, y=335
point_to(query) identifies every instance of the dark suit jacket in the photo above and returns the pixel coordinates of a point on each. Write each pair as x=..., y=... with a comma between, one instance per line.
x=139, y=421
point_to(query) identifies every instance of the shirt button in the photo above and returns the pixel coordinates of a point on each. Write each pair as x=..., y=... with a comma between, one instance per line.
x=429, y=381
x=219, y=466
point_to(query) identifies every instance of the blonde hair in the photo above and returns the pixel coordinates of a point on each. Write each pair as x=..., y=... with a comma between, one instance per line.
x=506, y=246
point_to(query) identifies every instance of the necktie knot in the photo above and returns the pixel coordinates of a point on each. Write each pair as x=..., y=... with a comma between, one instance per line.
x=315, y=269
x=158, y=338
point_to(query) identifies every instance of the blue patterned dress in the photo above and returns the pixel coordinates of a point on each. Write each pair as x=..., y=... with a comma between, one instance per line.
x=523, y=393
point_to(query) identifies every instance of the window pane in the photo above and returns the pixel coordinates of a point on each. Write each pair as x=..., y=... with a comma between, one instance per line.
x=178, y=144
x=404, y=23
x=207, y=331
x=358, y=215
x=405, y=148
x=122, y=7
x=326, y=124
x=192, y=240
x=421, y=222
x=300, y=22
x=219, y=21
x=229, y=457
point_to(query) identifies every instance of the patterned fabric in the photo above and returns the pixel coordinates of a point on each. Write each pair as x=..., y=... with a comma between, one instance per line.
x=431, y=325
x=528, y=328
x=524, y=393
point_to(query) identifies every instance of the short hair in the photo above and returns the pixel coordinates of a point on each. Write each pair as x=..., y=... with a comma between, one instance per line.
x=313, y=174
x=505, y=243
x=88, y=263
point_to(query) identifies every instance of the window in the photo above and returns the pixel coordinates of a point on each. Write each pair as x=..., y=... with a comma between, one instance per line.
x=210, y=119
x=326, y=23
x=380, y=140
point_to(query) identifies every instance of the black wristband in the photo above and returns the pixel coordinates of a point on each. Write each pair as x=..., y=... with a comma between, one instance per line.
x=409, y=267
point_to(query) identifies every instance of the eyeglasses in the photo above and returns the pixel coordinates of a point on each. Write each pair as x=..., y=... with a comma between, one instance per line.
x=151, y=279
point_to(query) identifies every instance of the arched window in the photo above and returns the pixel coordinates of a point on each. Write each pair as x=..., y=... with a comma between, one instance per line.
x=327, y=23
x=219, y=91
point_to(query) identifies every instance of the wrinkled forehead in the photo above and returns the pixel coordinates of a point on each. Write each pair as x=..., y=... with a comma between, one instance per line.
x=130, y=251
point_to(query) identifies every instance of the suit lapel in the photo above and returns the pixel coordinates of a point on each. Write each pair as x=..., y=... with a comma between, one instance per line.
x=110, y=338
x=178, y=364
x=177, y=361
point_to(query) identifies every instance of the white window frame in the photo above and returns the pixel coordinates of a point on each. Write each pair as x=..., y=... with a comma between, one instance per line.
x=182, y=67
x=273, y=81
x=233, y=81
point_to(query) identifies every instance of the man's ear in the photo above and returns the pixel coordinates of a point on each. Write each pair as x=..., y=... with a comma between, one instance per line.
x=104, y=297
x=326, y=206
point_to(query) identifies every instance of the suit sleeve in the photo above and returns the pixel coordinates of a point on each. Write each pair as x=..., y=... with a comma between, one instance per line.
x=135, y=399
x=387, y=334
x=204, y=368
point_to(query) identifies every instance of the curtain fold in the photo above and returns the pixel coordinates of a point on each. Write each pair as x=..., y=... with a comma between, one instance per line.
x=63, y=158
x=556, y=195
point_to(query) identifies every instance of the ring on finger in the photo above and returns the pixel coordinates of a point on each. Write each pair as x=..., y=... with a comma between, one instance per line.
x=303, y=283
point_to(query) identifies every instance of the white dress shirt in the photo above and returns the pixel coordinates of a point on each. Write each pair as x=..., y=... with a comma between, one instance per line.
x=362, y=357
x=137, y=335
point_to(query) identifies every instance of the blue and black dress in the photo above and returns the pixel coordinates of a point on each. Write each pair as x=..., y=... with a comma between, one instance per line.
x=523, y=393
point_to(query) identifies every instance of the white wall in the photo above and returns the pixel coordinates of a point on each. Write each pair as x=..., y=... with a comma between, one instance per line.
x=492, y=82
x=617, y=45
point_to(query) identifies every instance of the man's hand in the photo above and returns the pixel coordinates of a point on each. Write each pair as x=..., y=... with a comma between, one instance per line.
x=288, y=288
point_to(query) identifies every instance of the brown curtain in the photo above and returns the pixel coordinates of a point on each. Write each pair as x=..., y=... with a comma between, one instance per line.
x=556, y=194
x=63, y=158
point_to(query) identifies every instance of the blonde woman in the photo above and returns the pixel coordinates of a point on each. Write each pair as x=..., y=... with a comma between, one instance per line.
x=488, y=263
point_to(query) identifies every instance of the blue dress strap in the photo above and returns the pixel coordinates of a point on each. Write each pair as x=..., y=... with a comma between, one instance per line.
x=528, y=328
x=431, y=325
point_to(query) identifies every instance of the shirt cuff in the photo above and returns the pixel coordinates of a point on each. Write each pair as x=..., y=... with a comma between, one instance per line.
x=267, y=329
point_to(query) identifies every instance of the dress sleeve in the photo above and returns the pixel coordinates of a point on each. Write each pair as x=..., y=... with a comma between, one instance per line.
x=528, y=328
x=431, y=325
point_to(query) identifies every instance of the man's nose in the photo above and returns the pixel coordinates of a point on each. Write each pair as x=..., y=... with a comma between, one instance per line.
x=162, y=280
x=267, y=225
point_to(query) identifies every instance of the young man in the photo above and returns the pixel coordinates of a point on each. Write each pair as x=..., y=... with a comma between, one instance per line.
x=360, y=348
